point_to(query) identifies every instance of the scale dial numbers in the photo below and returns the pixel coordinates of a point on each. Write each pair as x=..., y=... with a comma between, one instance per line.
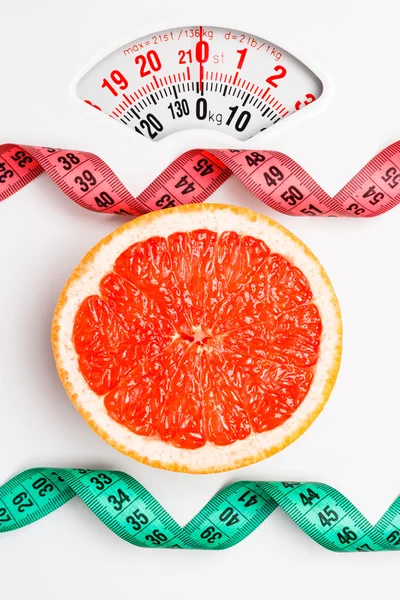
x=199, y=77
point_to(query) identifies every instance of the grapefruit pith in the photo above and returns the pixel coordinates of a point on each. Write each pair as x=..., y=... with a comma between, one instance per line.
x=201, y=338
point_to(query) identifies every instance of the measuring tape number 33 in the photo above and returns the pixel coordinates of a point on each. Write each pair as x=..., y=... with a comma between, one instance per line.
x=131, y=512
x=238, y=84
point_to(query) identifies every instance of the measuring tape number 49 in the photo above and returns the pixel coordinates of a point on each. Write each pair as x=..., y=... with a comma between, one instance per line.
x=118, y=500
x=277, y=180
x=240, y=85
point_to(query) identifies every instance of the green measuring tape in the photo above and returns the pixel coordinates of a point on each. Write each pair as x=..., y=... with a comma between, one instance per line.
x=131, y=512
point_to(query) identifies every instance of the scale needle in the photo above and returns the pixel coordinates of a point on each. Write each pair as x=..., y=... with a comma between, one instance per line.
x=201, y=60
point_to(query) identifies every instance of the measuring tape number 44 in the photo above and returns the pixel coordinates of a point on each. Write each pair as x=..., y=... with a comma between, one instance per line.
x=156, y=85
x=118, y=500
x=131, y=512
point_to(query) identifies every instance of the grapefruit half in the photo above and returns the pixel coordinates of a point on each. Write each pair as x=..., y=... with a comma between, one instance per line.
x=199, y=339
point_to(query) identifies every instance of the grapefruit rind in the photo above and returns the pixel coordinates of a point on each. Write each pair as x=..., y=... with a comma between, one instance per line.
x=210, y=458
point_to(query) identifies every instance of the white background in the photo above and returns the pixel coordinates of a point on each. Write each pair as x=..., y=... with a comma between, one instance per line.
x=353, y=445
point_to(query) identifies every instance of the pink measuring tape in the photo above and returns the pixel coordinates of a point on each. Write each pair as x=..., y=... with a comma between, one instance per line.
x=273, y=177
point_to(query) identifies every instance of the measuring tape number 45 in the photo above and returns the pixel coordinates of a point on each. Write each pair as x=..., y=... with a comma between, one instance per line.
x=117, y=499
x=277, y=180
x=131, y=512
x=240, y=85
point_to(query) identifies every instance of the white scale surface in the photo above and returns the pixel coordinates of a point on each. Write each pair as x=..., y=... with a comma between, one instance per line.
x=44, y=48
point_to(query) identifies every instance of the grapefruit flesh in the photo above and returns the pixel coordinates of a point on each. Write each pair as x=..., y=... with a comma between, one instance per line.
x=207, y=337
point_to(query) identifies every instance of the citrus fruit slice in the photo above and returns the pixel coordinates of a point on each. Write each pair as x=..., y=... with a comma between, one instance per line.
x=200, y=338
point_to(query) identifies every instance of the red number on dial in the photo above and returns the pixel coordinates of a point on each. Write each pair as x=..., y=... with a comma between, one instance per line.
x=91, y=104
x=281, y=72
x=309, y=98
x=242, y=57
x=118, y=79
x=152, y=59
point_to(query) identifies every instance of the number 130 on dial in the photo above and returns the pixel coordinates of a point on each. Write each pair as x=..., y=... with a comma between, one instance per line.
x=199, y=77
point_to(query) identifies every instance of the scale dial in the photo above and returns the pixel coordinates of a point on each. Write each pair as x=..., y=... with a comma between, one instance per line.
x=199, y=77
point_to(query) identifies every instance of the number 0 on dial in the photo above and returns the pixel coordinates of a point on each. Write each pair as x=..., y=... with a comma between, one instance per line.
x=199, y=77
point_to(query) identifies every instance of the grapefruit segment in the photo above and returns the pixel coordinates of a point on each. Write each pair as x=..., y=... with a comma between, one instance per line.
x=275, y=394
x=140, y=314
x=96, y=327
x=225, y=418
x=138, y=401
x=102, y=371
x=201, y=283
x=200, y=338
x=285, y=284
x=148, y=266
x=297, y=337
x=182, y=419
x=252, y=340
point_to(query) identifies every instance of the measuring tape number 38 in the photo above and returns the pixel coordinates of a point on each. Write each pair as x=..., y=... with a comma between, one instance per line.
x=277, y=180
x=240, y=85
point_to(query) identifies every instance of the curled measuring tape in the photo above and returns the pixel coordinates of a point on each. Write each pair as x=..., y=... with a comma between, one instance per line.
x=273, y=177
x=117, y=499
x=131, y=512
